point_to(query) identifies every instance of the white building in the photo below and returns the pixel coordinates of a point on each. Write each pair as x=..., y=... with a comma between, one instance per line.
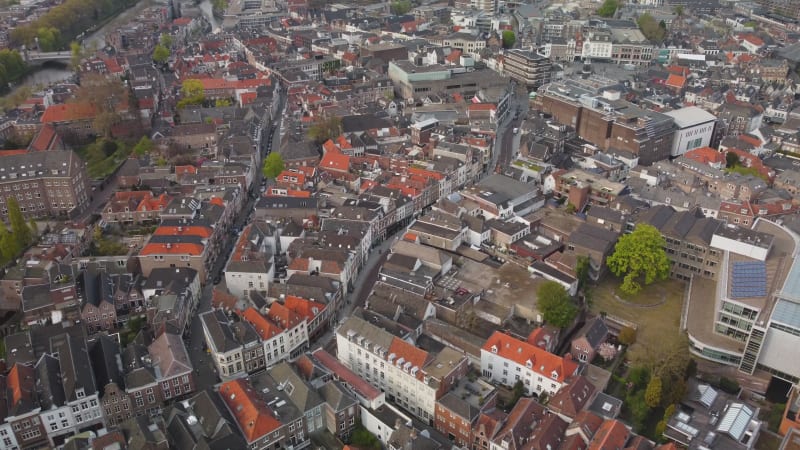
x=250, y=264
x=506, y=360
x=410, y=376
x=694, y=129
x=225, y=351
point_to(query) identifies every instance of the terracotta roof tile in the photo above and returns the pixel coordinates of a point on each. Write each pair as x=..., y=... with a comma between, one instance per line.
x=250, y=410
x=408, y=353
x=264, y=327
x=542, y=361
x=68, y=112
x=172, y=249
x=283, y=316
x=612, y=435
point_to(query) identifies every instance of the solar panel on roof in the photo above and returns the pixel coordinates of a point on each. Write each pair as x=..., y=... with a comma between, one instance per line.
x=748, y=279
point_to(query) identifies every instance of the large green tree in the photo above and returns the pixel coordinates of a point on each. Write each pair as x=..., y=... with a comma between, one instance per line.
x=639, y=256
x=400, y=7
x=19, y=227
x=143, y=147
x=49, y=39
x=608, y=8
x=273, y=165
x=651, y=29
x=509, y=38
x=325, y=129
x=8, y=245
x=12, y=67
x=160, y=54
x=555, y=304
x=192, y=92
x=652, y=395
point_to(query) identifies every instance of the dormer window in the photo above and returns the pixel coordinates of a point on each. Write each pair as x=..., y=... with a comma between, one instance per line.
x=494, y=349
x=528, y=364
x=554, y=375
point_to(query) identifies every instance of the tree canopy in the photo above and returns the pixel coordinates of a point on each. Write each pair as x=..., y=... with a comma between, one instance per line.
x=400, y=7
x=143, y=147
x=192, y=92
x=555, y=304
x=49, y=39
x=21, y=234
x=652, y=395
x=639, y=255
x=325, y=129
x=608, y=8
x=509, y=38
x=160, y=54
x=12, y=67
x=69, y=19
x=651, y=29
x=273, y=165
x=107, y=96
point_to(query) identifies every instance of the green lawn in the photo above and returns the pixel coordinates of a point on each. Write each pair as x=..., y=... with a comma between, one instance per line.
x=658, y=326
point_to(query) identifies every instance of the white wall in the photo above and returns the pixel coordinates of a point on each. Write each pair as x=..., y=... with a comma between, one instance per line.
x=684, y=137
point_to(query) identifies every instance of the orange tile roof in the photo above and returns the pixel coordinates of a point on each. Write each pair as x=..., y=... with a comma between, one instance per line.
x=20, y=151
x=425, y=173
x=277, y=192
x=286, y=174
x=192, y=230
x=219, y=201
x=752, y=140
x=248, y=97
x=283, y=316
x=542, y=361
x=753, y=39
x=187, y=169
x=408, y=353
x=264, y=327
x=150, y=203
x=173, y=249
x=330, y=146
x=705, y=155
x=43, y=138
x=335, y=161
x=676, y=81
x=411, y=237
x=249, y=408
x=300, y=264
x=67, y=112
x=612, y=435
x=20, y=384
x=481, y=107
x=454, y=56
x=308, y=309
x=343, y=143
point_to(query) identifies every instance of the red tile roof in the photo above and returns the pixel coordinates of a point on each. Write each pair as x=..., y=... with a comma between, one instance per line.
x=345, y=375
x=542, y=361
x=249, y=408
x=675, y=81
x=20, y=151
x=335, y=161
x=481, y=107
x=193, y=230
x=68, y=112
x=172, y=249
x=705, y=155
x=753, y=39
x=283, y=316
x=408, y=353
x=187, y=169
x=612, y=435
x=308, y=309
x=43, y=139
x=20, y=384
x=264, y=327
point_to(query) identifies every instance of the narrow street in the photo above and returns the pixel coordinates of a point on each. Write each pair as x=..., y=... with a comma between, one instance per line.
x=205, y=371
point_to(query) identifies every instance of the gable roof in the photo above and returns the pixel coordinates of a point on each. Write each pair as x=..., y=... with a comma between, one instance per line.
x=265, y=328
x=254, y=417
x=612, y=435
x=573, y=397
x=541, y=361
x=170, y=354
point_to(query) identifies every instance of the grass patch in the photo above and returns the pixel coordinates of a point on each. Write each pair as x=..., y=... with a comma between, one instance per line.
x=656, y=323
x=741, y=170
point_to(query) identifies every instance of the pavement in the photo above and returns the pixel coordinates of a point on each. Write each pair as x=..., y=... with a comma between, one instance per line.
x=507, y=142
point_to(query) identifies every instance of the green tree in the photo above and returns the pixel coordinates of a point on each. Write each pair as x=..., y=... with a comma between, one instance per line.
x=222, y=102
x=509, y=38
x=12, y=67
x=273, y=165
x=8, y=245
x=661, y=426
x=732, y=160
x=582, y=270
x=608, y=8
x=76, y=52
x=638, y=408
x=639, y=254
x=639, y=376
x=19, y=228
x=143, y=147
x=34, y=228
x=325, y=129
x=627, y=336
x=650, y=28
x=165, y=40
x=652, y=395
x=49, y=39
x=400, y=7
x=555, y=304
x=192, y=92
x=161, y=54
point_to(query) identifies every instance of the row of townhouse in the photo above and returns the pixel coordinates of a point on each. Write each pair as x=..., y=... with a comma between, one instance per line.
x=249, y=341
x=77, y=385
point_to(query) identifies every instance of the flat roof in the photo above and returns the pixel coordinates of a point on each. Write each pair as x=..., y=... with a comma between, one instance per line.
x=690, y=116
